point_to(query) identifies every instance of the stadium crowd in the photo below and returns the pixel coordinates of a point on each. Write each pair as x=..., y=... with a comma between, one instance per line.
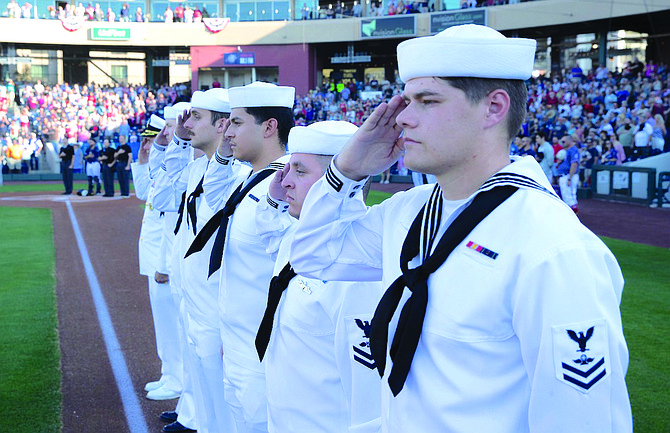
x=613, y=116
x=187, y=14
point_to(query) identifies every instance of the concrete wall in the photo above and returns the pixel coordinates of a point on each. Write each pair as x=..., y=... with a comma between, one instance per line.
x=519, y=16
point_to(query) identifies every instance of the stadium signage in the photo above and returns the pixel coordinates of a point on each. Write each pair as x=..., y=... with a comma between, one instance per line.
x=244, y=59
x=444, y=20
x=109, y=34
x=391, y=27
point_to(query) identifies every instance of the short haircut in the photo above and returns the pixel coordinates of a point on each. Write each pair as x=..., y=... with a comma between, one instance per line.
x=283, y=115
x=541, y=134
x=218, y=115
x=476, y=89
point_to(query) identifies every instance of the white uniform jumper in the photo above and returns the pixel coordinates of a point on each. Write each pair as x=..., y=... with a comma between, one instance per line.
x=163, y=309
x=245, y=274
x=319, y=373
x=185, y=409
x=199, y=292
x=522, y=331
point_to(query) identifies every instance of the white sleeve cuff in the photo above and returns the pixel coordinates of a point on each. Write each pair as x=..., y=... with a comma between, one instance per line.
x=280, y=205
x=179, y=142
x=340, y=184
x=223, y=160
x=159, y=148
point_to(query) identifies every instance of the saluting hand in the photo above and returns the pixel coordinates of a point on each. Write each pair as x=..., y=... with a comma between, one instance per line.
x=376, y=145
x=162, y=138
x=143, y=154
x=276, y=190
x=180, y=131
x=224, y=147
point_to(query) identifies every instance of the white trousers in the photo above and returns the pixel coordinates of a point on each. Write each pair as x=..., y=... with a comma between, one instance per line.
x=186, y=411
x=212, y=412
x=165, y=315
x=245, y=394
x=569, y=192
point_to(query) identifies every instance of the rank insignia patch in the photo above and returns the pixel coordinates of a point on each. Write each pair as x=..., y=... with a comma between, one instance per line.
x=581, y=354
x=358, y=330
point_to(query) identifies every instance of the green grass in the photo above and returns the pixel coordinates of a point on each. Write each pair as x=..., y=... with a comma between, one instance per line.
x=38, y=187
x=645, y=309
x=51, y=186
x=30, y=396
x=374, y=197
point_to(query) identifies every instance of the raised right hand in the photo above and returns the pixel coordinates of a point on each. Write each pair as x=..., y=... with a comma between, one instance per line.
x=162, y=139
x=376, y=145
x=276, y=190
x=180, y=131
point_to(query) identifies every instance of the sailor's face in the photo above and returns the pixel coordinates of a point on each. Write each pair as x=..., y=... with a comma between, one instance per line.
x=304, y=170
x=245, y=135
x=440, y=126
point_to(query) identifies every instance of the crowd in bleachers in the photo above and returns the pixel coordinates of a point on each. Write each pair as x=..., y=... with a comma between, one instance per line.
x=34, y=114
x=187, y=14
x=613, y=116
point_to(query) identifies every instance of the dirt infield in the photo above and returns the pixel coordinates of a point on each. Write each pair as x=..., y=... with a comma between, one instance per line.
x=110, y=228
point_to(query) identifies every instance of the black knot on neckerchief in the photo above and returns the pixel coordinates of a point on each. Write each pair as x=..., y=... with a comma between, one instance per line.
x=278, y=284
x=410, y=323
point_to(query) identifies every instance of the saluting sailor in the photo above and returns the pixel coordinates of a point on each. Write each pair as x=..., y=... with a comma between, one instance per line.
x=260, y=120
x=506, y=326
x=183, y=418
x=320, y=375
x=200, y=129
x=163, y=309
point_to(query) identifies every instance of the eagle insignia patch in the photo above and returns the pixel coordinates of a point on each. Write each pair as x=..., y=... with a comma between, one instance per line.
x=358, y=329
x=581, y=354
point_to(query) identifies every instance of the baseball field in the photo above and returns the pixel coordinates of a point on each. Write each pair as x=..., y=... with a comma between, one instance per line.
x=59, y=371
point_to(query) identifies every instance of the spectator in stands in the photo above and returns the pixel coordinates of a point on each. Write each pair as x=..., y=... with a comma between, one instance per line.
x=609, y=156
x=168, y=14
x=139, y=16
x=590, y=157
x=179, y=14
x=544, y=154
x=111, y=16
x=124, y=13
x=99, y=13
x=197, y=15
x=13, y=9
x=658, y=135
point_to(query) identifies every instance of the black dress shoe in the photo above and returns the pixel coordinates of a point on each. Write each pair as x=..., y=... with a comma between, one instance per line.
x=168, y=416
x=175, y=427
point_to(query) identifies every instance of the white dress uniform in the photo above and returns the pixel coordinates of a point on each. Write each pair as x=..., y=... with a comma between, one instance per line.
x=163, y=309
x=245, y=274
x=320, y=375
x=199, y=292
x=522, y=331
x=186, y=414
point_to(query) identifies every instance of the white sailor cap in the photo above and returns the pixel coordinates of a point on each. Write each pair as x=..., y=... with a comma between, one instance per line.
x=212, y=100
x=468, y=50
x=153, y=127
x=260, y=94
x=321, y=138
x=171, y=113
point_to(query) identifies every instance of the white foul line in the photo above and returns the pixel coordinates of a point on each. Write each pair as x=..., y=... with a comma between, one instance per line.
x=131, y=405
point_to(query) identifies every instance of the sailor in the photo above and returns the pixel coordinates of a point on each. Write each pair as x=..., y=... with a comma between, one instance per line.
x=163, y=309
x=199, y=129
x=183, y=417
x=494, y=323
x=320, y=375
x=260, y=120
